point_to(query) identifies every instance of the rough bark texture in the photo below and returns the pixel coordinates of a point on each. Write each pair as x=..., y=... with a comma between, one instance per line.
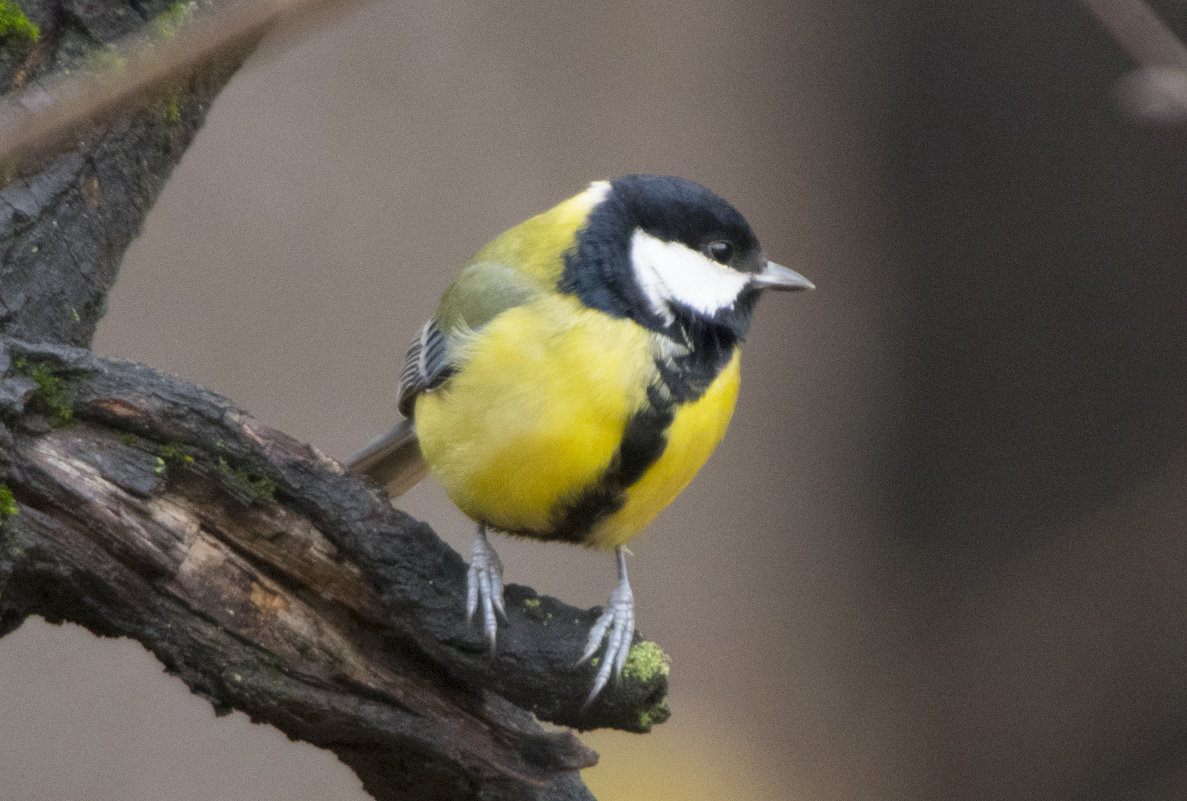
x=142, y=505
x=70, y=208
x=274, y=584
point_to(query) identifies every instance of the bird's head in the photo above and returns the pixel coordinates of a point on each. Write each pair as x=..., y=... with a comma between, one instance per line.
x=671, y=255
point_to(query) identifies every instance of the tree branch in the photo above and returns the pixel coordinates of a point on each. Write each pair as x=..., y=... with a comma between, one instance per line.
x=272, y=583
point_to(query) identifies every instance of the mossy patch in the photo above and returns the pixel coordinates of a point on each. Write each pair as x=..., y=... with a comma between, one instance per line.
x=171, y=108
x=245, y=484
x=7, y=503
x=655, y=714
x=50, y=399
x=15, y=25
x=645, y=661
x=175, y=454
x=106, y=61
x=165, y=27
x=166, y=24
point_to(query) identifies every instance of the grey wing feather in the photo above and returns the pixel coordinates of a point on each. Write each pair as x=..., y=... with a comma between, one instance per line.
x=426, y=365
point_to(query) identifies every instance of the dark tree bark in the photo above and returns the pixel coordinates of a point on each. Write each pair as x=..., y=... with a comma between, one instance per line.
x=141, y=505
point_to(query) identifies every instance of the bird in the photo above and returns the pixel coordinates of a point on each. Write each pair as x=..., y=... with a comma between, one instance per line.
x=577, y=375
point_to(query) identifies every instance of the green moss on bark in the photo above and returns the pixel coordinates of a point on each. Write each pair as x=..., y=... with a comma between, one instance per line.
x=15, y=25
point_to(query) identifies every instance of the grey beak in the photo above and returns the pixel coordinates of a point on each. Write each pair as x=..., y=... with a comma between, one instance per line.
x=776, y=276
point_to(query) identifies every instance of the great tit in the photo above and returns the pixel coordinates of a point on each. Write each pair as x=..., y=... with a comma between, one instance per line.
x=577, y=375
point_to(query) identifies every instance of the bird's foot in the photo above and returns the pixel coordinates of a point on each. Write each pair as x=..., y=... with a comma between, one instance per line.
x=484, y=583
x=619, y=621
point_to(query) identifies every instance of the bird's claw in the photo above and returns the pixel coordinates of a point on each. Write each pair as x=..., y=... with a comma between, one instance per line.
x=484, y=583
x=619, y=621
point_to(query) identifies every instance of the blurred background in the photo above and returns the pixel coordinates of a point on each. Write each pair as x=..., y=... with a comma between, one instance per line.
x=941, y=551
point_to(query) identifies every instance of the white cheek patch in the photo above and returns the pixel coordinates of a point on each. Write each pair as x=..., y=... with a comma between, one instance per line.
x=672, y=271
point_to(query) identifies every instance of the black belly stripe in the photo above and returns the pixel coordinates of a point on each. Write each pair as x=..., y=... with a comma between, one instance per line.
x=682, y=380
x=643, y=442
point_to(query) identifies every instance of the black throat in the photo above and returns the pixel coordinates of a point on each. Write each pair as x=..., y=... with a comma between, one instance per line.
x=702, y=349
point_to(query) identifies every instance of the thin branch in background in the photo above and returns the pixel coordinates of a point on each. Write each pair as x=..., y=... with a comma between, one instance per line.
x=47, y=111
x=1140, y=31
x=1157, y=91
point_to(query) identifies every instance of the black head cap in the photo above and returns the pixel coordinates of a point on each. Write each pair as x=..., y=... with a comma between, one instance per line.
x=676, y=210
x=599, y=270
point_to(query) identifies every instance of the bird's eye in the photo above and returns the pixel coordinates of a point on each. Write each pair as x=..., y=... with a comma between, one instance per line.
x=720, y=250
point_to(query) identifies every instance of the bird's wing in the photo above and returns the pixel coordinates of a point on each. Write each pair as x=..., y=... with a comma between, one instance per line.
x=483, y=291
x=426, y=365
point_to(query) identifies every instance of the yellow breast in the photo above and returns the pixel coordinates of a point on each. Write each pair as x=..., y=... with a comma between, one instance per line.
x=535, y=413
x=535, y=410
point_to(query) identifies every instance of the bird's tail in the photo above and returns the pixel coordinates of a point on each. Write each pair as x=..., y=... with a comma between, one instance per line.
x=393, y=460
